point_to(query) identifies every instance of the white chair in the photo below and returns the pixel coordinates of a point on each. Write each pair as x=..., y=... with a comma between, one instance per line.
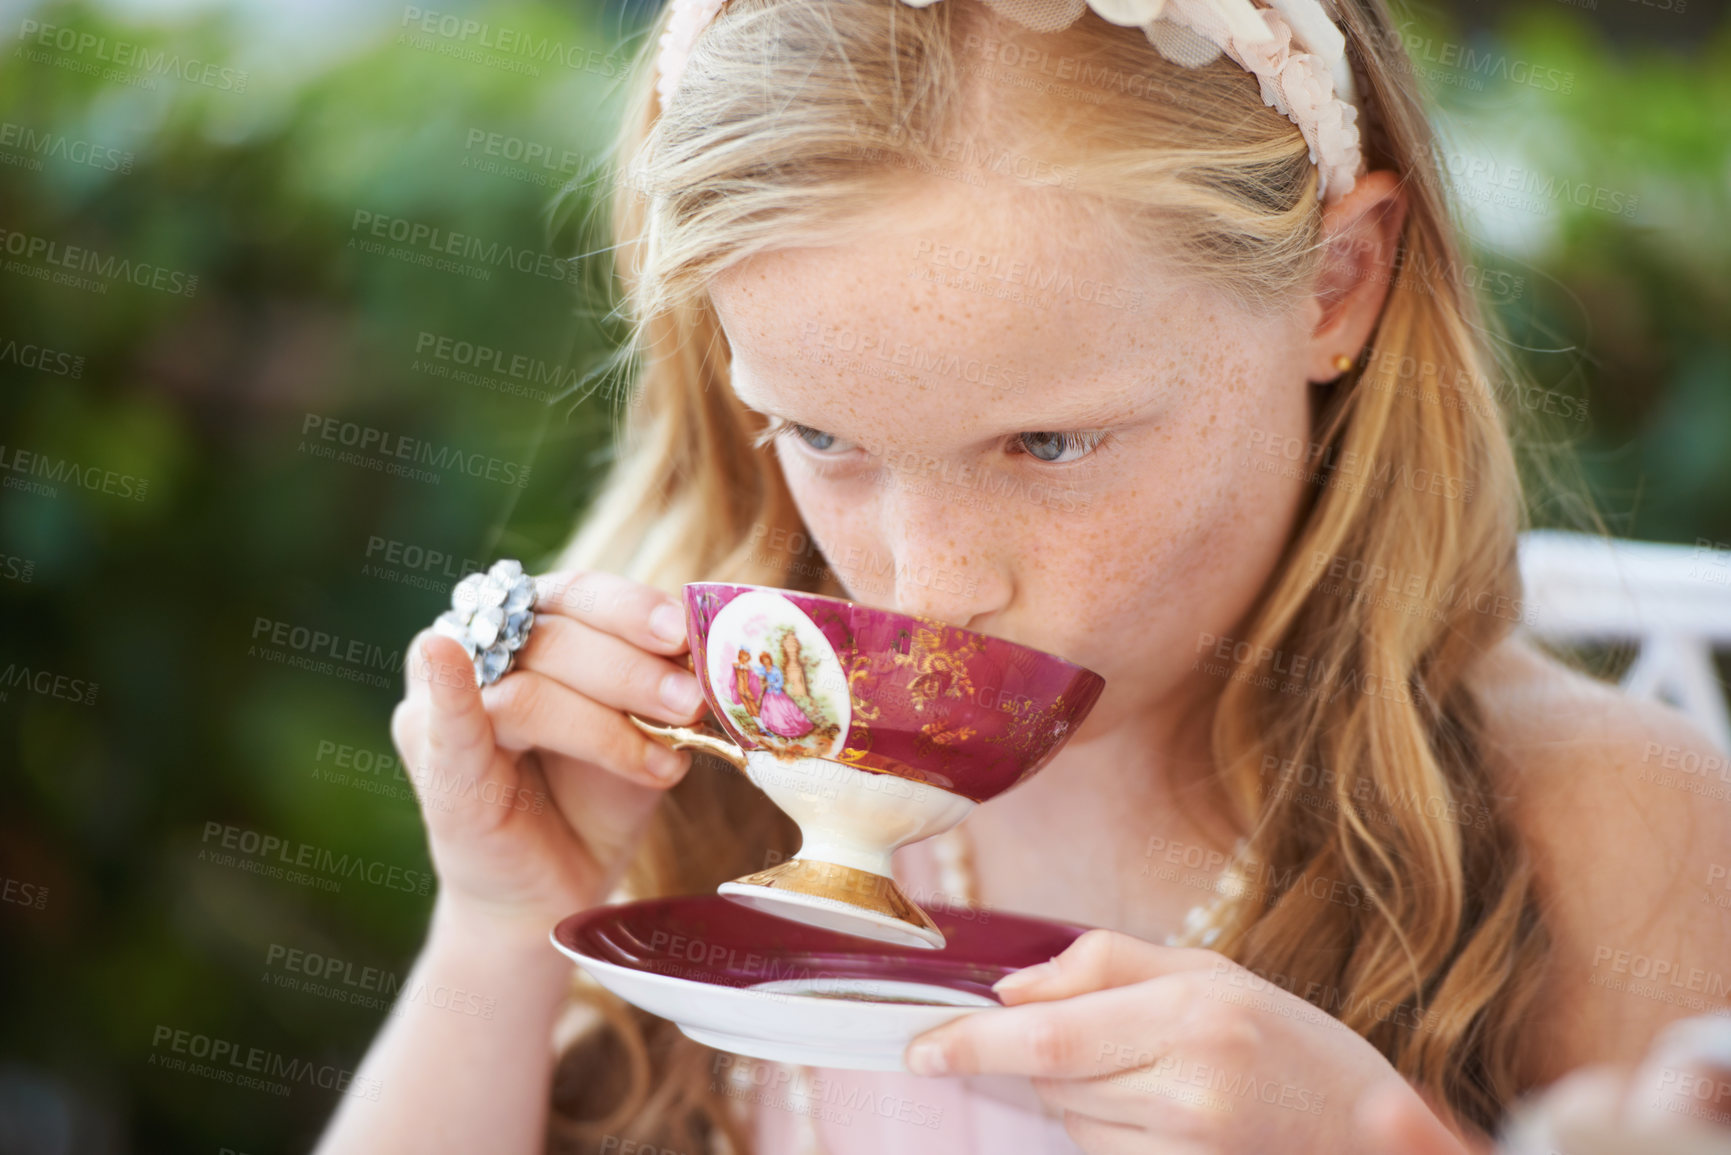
x=1672, y=601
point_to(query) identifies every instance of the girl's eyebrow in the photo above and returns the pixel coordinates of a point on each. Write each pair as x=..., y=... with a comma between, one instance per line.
x=1103, y=413
x=1114, y=409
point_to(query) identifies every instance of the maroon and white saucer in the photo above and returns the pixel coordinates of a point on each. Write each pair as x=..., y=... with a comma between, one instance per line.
x=750, y=983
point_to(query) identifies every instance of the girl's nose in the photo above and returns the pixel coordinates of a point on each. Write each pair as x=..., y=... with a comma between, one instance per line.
x=949, y=560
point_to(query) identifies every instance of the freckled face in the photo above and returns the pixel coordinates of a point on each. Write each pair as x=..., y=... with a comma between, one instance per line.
x=1065, y=473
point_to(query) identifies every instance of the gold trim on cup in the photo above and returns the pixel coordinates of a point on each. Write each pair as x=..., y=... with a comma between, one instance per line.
x=844, y=884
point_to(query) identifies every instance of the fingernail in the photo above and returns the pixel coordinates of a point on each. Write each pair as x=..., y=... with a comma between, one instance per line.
x=1026, y=977
x=928, y=1059
x=668, y=622
x=681, y=693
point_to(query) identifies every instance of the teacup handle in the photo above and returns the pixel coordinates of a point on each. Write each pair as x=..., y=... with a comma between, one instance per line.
x=709, y=739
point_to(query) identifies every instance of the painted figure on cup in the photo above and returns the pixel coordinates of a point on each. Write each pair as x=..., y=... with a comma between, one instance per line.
x=780, y=714
x=747, y=684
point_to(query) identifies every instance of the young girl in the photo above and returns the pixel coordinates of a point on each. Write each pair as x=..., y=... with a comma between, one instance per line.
x=1169, y=366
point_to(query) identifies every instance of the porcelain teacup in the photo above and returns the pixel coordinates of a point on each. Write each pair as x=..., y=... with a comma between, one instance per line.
x=871, y=729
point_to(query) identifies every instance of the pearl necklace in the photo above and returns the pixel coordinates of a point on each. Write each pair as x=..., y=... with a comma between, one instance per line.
x=954, y=852
x=957, y=880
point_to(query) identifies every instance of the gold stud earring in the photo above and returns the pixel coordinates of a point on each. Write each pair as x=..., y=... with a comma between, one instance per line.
x=1342, y=362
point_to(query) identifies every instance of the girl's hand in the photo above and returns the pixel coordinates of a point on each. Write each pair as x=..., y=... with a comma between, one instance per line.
x=1398, y=1123
x=1151, y=1049
x=535, y=790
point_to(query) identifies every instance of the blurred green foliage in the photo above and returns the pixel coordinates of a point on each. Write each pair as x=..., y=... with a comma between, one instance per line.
x=1610, y=200
x=268, y=196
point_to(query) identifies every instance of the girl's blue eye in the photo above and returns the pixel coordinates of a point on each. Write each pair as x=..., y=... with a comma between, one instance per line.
x=1052, y=447
x=816, y=438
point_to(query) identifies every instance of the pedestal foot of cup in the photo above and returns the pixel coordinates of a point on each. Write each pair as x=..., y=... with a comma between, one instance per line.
x=839, y=898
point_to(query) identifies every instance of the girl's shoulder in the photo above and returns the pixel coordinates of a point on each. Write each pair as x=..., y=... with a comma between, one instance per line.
x=1625, y=806
x=1534, y=702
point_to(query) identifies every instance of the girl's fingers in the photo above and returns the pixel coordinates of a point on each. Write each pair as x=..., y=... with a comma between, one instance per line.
x=1098, y=960
x=1099, y=1033
x=530, y=710
x=428, y=663
x=442, y=728
x=606, y=810
x=610, y=670
x=640, y=614
x=1128, y=1098
x=457, y=735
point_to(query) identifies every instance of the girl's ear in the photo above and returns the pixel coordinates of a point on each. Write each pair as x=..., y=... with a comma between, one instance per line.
x=1361, y=239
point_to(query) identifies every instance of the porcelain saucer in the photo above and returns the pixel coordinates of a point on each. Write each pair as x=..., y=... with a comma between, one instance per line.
x=749, y=983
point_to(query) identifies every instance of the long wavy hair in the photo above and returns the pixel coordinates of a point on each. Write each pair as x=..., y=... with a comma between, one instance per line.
x=796, y=115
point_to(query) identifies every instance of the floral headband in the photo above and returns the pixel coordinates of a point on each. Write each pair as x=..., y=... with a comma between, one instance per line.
x=1292, y=48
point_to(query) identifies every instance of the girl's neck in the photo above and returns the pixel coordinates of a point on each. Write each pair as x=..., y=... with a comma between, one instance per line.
x=1126, y=828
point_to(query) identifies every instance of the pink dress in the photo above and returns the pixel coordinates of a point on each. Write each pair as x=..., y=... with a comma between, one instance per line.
x=895, y=1113
x=780, y=714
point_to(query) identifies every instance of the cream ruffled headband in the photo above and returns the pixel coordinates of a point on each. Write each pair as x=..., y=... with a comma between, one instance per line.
x=1292, y=48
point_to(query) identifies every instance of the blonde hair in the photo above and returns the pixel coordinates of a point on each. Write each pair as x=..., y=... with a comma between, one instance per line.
x=792, y=121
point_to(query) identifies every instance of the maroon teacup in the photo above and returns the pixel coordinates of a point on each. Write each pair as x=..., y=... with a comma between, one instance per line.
x=871, y=729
